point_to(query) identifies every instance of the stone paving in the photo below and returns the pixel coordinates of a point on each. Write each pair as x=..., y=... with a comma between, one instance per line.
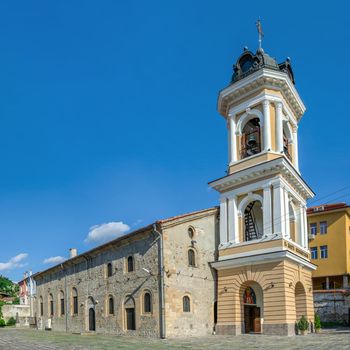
x=20, y=339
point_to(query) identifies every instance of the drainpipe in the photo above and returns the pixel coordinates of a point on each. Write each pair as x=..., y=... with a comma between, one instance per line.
x=161, y=282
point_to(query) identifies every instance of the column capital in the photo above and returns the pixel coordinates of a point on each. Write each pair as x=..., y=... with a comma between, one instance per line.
x=295, y=128
x=278, y=104
x=266, y=103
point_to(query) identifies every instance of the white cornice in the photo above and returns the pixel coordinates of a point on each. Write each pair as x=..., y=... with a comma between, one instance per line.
x=262, y=78
x=261, y=259
x=255, y=172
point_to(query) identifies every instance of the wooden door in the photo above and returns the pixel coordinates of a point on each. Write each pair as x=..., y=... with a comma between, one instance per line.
x=257, y=320
x=130, y=319
x=247, y=328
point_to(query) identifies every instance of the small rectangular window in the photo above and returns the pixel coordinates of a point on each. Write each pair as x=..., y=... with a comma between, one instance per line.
x=314, y=252
x=323, y=227
x=324, y=251
x=313, y=229
x=41, y=309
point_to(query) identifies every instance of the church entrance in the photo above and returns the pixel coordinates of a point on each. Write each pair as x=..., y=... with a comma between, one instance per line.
x=252, y=319
x=251, y=311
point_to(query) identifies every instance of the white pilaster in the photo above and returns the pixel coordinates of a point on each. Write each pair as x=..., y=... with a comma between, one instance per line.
x=223, y=220
x=306, y=236
x=278, y=209
x=233, y=220
x=267, y=213
x=232, y=140
x=301, y=226
x=295, y=148
x=286, y=217
x=267, y=125
x=279, y=127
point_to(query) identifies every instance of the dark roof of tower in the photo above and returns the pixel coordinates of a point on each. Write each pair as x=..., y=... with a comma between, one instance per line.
x=249, y=63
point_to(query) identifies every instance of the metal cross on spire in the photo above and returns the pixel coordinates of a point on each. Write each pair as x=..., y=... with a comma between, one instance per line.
x=261, y=34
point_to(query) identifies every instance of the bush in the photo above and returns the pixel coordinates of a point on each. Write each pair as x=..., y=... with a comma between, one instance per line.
x=2, y=323
x=317, y=321
x=11, y=322
x=303, y=324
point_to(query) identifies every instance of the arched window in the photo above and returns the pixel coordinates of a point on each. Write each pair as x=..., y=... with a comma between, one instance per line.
x=191, y=258
x=191, y=232
x=253, y=221
x=186, y=304
x=41, y=306
x=110, y=305
x=75, y=301
x=147, y=302
x=51, y=310
x=130, y=264
x=62, y=308
x=109, y=270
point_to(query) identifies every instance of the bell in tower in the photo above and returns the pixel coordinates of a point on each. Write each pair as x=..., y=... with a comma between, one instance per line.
x=263, y=229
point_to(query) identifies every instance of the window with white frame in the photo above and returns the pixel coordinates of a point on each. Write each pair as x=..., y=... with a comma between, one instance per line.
x=324, y=252
x=314, y=252
x=313, y=229
x=323, y=227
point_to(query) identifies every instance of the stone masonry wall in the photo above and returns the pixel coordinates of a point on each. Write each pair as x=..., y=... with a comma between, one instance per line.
x=89, y=277
x=183, y=280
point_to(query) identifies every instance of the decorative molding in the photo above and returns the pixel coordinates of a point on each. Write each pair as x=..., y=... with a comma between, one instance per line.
x=279, y=166
x=262, y=78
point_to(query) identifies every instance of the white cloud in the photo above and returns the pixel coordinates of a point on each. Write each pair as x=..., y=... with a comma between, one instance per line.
x=54, y=260
x=107, y=231
x=14, y=262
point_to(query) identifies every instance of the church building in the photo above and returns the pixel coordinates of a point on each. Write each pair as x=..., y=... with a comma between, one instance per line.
x=242, y=267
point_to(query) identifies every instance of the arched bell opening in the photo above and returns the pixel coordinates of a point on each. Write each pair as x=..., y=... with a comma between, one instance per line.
x=293, y=227
x=287, y=140
x=251, y=138
x=253, y=221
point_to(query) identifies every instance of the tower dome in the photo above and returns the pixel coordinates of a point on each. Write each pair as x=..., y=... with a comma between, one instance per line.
x=249, y=63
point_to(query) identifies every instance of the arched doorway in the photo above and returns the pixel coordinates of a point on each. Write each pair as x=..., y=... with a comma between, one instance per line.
x=91, y=315
x=92, y=320
x=252, y=301
x=300, y=301
x=130, y=319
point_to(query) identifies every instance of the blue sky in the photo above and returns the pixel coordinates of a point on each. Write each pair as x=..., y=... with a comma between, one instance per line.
x=108, y=111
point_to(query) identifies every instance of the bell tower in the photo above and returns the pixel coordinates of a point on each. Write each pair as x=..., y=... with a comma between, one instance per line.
x=263, y=227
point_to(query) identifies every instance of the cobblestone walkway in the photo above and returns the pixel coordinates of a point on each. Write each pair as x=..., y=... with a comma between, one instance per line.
x=24, y=339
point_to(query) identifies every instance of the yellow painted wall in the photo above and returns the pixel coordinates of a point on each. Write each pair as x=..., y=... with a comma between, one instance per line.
x=278, y=281
x=338, y=242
